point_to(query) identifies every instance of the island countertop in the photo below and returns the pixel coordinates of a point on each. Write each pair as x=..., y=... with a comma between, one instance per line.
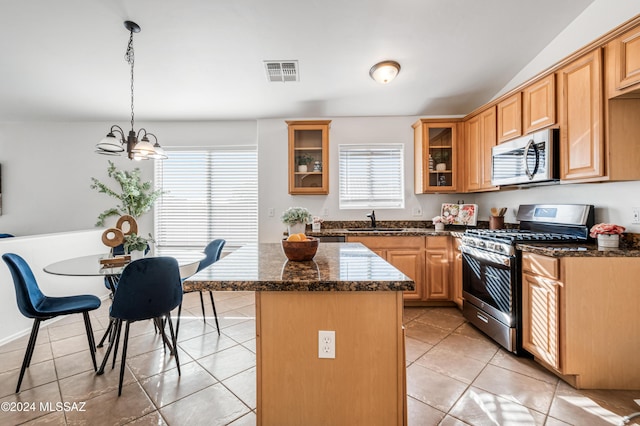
x=335, y=267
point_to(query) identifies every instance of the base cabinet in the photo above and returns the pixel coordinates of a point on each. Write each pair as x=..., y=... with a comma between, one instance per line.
x=426, y=260
x=580, y=318
x=456, y=272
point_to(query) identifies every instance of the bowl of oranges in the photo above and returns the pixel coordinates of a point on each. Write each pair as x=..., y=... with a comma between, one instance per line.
x=299, y=247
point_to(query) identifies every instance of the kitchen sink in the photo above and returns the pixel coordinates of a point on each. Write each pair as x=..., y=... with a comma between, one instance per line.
x=374, y=229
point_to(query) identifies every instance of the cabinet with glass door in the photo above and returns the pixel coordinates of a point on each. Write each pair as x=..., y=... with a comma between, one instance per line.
x=435, y=149
x=309, y=157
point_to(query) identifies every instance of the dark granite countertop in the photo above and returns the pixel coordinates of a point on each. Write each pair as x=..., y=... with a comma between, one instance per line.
x=576, y=250
x=335, y=267
x=380, y=232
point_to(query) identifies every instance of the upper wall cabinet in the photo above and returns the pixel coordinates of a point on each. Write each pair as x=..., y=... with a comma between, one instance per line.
x=539, y=104
x=510, y=118
x=309, y=157
x=436, y=156
x=581, y=119
x=623, y=63
x=532, y=109
x=479, y=138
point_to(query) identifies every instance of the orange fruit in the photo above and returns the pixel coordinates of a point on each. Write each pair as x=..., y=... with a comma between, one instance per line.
x=294, y=237
x=302, y=236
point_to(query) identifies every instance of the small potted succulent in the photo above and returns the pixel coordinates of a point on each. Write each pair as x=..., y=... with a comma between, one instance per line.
x=296, y=218
x=440, y=221
x=303, y=161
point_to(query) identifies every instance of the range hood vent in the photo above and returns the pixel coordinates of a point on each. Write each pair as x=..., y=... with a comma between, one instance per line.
x=281, y=71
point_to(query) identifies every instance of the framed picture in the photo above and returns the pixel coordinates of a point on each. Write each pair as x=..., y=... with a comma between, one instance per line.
x=463, y=214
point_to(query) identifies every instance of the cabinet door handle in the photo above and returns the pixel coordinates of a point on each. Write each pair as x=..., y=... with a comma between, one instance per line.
x=482, y=317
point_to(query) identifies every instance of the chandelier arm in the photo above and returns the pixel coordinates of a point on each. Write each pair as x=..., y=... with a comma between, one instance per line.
x=118, y=129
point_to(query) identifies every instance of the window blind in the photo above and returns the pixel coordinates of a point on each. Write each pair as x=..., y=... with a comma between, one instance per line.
x=209, y=194
x=371, y=176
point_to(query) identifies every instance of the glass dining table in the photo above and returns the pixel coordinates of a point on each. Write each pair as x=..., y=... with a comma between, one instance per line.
x=90, y=266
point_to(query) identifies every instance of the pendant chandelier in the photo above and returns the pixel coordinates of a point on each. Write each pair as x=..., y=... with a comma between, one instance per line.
x=137, y=145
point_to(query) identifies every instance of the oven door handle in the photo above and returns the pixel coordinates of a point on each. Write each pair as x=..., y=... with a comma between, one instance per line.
x=530, y=174
x=495, y=258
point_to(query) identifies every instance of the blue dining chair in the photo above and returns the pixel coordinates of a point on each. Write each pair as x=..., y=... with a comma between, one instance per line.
x=148, y=289
x=212, y=252
x=33, y=304
x=6, y=236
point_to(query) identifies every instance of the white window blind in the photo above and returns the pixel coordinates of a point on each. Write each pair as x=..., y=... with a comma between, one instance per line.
x=371, y=176
x=210, y=194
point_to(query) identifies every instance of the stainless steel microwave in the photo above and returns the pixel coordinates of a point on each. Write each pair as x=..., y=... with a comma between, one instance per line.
x=529, y=159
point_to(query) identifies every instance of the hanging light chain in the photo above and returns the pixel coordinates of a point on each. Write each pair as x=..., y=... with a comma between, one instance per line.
x=129, y=56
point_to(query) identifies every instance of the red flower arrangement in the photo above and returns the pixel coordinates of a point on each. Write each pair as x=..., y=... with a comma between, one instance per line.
x=606, y=229
x=447, y=220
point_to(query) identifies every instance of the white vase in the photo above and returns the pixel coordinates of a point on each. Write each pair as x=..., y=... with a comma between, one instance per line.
x=297, y=228
x=439, y=226
x=606, y=241
x=136, y=254
x=302, y=168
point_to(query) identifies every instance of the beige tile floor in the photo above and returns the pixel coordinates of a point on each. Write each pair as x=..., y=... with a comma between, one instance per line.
x=455, y=376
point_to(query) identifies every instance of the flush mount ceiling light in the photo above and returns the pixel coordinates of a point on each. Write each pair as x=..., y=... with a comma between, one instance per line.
x=137, y=148
x=385, y=71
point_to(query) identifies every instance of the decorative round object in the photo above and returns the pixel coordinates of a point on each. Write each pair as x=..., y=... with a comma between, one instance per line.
x=300, y=251
x=112, y=237
x=608, y=241
x=302, y=168
x=441, y=167
x=131, y=223
x=317, y=166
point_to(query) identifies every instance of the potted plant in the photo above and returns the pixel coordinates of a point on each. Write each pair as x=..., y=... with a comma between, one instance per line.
x=135, y=198
x=440, y=221
x=134, y=243
x=608, y=235
x=441, y=158
x=296, y=218
x=303, y=161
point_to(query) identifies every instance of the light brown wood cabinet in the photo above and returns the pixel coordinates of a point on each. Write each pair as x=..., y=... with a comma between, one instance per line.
x=581, y=119
x=480, y=137
x=510, y=118
x=580, y=318
x=308, y=157
x=405, y=253
x=456, y=272
x=624, y=63
x=426, y=260
x=436, y=156
x=539, y=104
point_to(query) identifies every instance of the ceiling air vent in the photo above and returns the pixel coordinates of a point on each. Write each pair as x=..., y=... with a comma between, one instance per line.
x=283, y=71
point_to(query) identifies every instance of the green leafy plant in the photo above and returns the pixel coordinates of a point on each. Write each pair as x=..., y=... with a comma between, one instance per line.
x=133, y=242
x=304, y=159
x=136, y=197
x=295, y=215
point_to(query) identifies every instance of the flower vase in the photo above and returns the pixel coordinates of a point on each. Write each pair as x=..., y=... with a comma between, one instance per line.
x=297, y=228
x=136, y=254
x=608, y=241
x=439, y=227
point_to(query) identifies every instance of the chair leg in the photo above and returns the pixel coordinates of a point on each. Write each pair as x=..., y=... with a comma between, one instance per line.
x=29, y=352
x=116, y=343
x=112, y=338
x=124, y=357
x=204, y=317
x=215, y=314
x=175, y=343
x=106, y=333
x=92, y=342
x=178, y=320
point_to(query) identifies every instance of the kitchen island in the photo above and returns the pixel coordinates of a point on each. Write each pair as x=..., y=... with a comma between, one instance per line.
x=347, y=289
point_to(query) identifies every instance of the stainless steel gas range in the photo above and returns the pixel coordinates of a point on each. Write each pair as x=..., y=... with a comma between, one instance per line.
x=491, y=277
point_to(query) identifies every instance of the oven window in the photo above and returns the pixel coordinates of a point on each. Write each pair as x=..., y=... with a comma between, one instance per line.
x=489, y=282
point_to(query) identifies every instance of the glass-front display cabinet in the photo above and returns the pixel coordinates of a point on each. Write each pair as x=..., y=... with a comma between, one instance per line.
x=309, y=157
x=436, y=156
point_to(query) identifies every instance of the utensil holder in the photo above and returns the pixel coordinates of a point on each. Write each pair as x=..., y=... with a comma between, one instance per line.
x=496, y=222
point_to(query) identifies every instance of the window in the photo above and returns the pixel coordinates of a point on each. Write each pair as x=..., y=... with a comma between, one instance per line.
x=371, y=176
x=210, y=193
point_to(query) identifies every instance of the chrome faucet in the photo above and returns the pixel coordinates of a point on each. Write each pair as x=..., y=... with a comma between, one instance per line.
x=372, y=216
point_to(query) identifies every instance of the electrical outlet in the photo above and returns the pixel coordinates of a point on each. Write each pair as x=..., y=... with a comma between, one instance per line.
x=417, y=211
x=635, y=215
x=326, y=344
x=272, y=212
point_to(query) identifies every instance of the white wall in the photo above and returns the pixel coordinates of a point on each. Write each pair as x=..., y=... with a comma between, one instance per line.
x=598, y=19
x=272, y=163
